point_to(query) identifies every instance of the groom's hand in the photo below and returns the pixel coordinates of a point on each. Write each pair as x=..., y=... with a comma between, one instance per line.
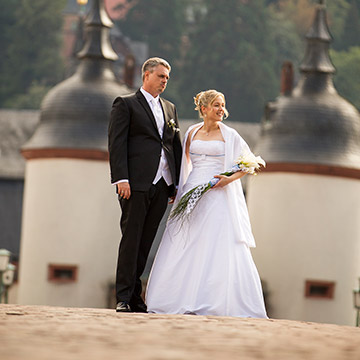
x=172, y=198
x=123, y=189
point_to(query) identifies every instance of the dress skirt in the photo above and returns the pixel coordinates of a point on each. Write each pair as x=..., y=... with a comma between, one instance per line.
x=201, y=268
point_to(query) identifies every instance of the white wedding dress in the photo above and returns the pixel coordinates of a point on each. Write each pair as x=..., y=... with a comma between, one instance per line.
x=201, y=267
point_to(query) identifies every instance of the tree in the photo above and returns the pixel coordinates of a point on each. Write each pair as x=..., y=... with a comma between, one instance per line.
x=351, y=33
x=29, y=100
x=33, y=56
x=161, y=24
x=301, y=13
x=347, y=74
x=290, y=46
x=7, y=21
x=231, y=51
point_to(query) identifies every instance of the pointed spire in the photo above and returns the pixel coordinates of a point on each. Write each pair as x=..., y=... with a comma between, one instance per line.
x=97, y=27
x=318, y=39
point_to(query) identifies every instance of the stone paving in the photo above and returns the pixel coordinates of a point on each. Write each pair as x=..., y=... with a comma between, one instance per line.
x=51, y=333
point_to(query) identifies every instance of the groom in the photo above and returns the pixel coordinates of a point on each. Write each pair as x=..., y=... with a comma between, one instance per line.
x=145, y=155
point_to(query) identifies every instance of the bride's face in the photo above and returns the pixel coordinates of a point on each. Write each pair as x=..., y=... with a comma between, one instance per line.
x=216, y=110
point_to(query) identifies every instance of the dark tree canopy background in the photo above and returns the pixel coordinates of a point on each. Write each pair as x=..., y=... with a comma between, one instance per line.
x=31, y=61
x=230, y=50
x=161, y=24
x=235, y=46
x=238, y=46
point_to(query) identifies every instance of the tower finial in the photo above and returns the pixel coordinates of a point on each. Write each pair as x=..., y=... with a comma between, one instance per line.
x=317, y=58
x=97, y=27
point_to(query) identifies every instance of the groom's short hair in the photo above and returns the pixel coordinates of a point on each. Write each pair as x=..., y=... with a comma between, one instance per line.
x=152, y=63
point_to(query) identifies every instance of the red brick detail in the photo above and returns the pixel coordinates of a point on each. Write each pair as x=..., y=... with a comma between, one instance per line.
x=86, y=154
x=314, y=169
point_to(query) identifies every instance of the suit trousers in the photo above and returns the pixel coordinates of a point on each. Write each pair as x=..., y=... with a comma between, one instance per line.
x=140, y=219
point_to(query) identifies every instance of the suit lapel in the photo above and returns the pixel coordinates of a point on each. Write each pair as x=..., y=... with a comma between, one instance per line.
x=146, y=106
x=166, y=115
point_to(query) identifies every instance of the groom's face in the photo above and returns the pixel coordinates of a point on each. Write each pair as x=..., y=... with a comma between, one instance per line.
x=155, y=82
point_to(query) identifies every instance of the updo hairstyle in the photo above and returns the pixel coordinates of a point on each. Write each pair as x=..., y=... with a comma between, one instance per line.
x=205, y=98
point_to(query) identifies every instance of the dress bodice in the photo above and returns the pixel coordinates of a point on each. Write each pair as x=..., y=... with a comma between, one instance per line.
x=207, y=147
x=207, y=158
x=207, y=154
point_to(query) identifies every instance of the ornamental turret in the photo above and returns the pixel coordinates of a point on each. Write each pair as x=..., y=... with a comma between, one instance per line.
x=304, y=206
x=314, y=129
x=74, y=114
x=69, y=234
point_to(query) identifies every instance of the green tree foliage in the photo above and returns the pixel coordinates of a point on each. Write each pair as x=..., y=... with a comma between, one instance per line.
x=301, y=14
x=351, y=33
x=289, y=46
x=231, y=51
x=348, y=74
x=161, y=24
x=235, y=46
x=337, y=11
x=7, y=21
x=29, y=100
x=33, y=55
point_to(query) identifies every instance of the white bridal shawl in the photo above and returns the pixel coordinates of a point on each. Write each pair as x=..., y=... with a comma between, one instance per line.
x=235, y=146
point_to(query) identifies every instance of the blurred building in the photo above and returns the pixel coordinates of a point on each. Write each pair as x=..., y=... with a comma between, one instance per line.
x=305, y=206
x=15, y=128
x=70, y=228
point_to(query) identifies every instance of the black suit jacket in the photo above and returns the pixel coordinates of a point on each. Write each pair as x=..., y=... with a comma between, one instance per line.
x=135, y=143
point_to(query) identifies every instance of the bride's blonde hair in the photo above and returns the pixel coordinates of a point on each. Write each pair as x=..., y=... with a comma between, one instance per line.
x=205, y=98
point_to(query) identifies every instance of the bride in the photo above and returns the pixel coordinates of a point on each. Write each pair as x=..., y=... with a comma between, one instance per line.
x=204, y=265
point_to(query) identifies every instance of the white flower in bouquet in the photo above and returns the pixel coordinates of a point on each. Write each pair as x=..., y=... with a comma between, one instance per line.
x=248, y=163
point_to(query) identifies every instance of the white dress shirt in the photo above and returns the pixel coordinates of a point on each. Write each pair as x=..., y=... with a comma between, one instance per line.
x=155, y=106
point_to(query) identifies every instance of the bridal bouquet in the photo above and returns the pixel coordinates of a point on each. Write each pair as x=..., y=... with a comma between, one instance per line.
x=248, y=163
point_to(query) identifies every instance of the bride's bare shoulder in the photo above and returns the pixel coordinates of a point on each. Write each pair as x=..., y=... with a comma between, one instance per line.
x=193, y=128
x=190, y=132
x=189, y=136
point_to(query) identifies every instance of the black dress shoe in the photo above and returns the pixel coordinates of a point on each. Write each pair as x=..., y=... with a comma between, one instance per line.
x=123, y=306
x=139, y=308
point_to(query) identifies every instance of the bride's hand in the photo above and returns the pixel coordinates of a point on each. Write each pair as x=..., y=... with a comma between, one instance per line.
x=224, y=180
